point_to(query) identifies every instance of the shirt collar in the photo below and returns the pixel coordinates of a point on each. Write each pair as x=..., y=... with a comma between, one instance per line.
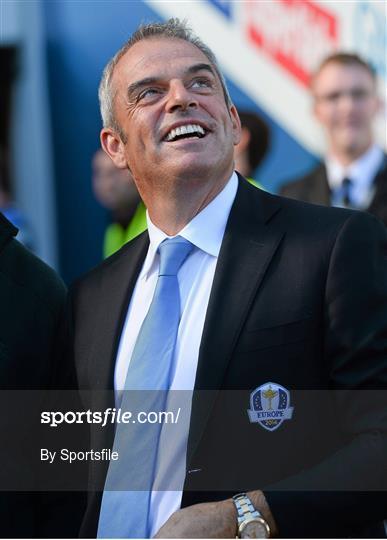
x=362, y=171
x=205, y=231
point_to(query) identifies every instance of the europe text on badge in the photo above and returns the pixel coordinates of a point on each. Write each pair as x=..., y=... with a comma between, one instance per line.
x=270, y=406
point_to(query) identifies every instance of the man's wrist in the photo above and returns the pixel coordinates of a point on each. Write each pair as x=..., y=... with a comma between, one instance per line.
x=232, y=517
x=259, y=502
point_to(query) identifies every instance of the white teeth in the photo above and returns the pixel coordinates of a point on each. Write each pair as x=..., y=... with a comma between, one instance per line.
x=183, y=130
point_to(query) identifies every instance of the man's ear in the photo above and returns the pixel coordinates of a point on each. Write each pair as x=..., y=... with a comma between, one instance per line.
x=236, y=124
x=379, y=106
x=112, y=144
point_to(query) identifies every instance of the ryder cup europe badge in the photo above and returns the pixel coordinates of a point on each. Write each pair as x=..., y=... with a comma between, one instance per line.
x=270, y=406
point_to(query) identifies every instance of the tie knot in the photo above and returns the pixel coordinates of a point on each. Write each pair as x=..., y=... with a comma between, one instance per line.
x=173, y=253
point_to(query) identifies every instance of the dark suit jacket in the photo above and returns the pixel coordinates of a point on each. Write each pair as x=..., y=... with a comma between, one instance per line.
x=32, y=302
x=299, y=298
x=314, y=188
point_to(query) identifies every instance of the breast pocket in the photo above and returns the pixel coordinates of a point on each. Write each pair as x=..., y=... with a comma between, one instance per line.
x=271, y=333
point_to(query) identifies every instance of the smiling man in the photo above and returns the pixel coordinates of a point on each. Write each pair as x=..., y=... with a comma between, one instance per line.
x=176, y=131
x=354, y=172
x=240, y=294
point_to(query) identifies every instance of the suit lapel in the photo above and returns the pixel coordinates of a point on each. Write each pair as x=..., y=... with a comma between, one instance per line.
x=116, y=287
x=318, y=187
x=248, y=246
x=114, y=292
x=379, y=198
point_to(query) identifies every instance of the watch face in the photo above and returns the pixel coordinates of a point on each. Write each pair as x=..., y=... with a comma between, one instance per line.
x=255, y=529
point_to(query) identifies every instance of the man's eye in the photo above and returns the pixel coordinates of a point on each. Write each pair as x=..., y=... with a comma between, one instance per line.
x=360, y=93
x=201, y=83
x=334, y=96
x=356, y=93
x=147, y=93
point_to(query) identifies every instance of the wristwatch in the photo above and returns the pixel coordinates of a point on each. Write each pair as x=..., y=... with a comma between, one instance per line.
x=250, y=522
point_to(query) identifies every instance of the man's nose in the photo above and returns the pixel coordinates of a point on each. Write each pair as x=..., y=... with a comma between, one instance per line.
x=347, y=101
x=180, y=97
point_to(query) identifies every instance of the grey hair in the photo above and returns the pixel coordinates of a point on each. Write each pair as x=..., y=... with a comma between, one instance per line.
x=174, y=29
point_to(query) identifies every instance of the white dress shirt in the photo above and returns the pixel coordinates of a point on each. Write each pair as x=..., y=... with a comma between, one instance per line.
x=205, y=231
x=362, y=173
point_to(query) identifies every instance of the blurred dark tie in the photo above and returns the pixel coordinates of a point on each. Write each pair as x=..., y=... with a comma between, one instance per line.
x=346, y=191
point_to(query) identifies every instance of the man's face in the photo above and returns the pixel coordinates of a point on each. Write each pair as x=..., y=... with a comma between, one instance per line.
x=345, y=105
x=170, y=105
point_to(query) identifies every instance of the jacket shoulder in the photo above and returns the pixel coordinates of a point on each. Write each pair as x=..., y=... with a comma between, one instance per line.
x=7, y=231
x=20, y=268
x=299, y=184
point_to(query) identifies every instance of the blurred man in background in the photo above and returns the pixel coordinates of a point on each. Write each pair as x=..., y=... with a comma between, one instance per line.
x=8, y=207
x=115, y=190
x=253, y=146
x=354, y=171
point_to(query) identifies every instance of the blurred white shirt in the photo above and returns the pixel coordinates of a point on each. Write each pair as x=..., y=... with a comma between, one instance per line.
x=361, y=172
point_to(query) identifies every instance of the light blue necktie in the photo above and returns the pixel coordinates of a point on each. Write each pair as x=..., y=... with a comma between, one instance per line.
x=124, y=514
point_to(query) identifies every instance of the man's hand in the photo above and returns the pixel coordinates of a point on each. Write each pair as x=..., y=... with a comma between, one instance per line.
x=212, y=520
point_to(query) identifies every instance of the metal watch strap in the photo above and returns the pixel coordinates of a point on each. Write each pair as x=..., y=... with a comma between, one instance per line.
x=245, y=508
x=246, y=511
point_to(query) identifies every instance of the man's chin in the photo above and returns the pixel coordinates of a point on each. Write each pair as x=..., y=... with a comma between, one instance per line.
x=191, y=166
x=353, y=144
